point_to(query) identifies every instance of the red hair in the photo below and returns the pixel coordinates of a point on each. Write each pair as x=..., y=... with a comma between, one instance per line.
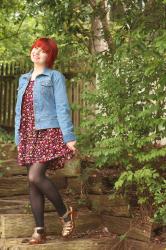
x=49, y=45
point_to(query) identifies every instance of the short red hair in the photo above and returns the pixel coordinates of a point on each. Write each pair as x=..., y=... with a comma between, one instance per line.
x=49, y=45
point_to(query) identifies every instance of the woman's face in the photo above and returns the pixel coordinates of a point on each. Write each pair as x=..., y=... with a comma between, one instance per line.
x=38, y=56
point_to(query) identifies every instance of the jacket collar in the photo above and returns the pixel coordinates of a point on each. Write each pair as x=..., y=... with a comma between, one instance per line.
x=45, y=72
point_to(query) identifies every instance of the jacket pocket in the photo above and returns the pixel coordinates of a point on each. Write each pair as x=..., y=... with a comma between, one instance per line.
x=46, y=89
x=46, y=83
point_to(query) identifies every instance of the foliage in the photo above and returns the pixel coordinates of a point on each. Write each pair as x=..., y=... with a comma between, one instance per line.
x=128, y=115
x=22, y=22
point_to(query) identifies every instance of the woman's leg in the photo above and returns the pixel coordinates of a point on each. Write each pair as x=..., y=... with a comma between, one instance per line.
x=38, y=178
x=37, y=201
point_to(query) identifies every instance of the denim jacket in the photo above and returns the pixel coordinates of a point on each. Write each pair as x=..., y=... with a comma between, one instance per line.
x=50, y=102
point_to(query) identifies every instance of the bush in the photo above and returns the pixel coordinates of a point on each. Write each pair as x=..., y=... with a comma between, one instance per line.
x=128, y=118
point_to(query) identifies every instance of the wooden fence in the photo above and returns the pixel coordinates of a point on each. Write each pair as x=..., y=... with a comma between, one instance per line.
x=9, y=74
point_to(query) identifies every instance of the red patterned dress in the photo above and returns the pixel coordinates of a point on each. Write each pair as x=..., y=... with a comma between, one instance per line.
x=40, y=145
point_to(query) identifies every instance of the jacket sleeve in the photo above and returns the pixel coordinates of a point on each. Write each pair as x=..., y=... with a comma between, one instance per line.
x=16, y=134
x=63, y=108
x=19, y=85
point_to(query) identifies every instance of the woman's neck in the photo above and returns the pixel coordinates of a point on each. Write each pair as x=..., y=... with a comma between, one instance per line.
x=37, y=70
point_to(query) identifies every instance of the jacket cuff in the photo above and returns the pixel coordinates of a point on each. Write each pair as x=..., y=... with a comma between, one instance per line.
x=69, y=137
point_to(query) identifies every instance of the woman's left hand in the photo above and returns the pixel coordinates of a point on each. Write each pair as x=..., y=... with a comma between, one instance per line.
x=71, y=144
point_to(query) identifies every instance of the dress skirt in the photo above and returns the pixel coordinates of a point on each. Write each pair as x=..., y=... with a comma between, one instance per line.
x=44, y=145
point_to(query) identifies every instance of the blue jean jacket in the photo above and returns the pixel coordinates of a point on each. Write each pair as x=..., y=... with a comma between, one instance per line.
x=50, y=102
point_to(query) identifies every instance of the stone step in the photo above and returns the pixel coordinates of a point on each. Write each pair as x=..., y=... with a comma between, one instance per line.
x=7, y=151
x=17, y=185
x=133, y=228
x=102, y=204
x=21, y=204
x=130, y=227
x=61, y=244
x=116, y=225
x=21, y=225
x=10, y=167
x=84, y=243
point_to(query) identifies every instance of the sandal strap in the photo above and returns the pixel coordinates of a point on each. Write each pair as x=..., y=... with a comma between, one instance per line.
x=66, y=213
x=68, y=225
x=39, y=230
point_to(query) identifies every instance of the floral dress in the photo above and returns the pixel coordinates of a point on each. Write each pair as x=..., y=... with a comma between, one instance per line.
x=44, y=145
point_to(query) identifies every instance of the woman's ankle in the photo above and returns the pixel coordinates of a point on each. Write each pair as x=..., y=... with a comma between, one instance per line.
x=66, y=216
x=40, y=229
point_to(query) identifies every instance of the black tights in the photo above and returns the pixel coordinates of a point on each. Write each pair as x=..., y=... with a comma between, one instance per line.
x=40, y=185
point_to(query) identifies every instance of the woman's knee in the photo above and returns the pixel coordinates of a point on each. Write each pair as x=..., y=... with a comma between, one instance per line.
x=36, y=173
x=33, y=178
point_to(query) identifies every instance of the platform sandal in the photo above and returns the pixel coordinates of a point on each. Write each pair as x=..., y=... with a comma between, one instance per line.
x=39, y=236
x=68, y=222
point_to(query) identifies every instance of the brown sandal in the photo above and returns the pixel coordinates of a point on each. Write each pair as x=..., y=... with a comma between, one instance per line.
x=39, y=236
x=68, y=226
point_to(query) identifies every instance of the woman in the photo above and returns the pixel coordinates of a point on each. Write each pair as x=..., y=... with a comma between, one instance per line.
x=44, y=134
